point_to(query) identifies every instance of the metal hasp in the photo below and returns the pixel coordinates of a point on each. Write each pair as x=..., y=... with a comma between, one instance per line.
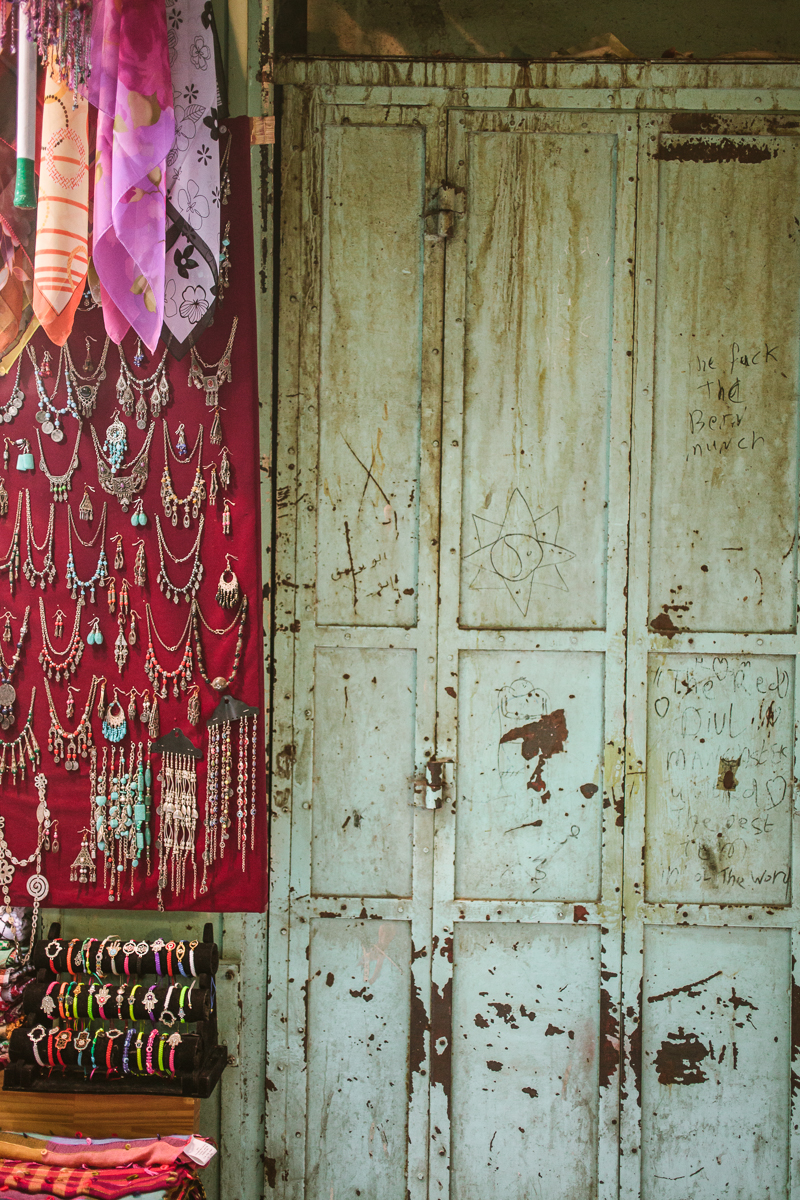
x=440, y=216
x=434, y=786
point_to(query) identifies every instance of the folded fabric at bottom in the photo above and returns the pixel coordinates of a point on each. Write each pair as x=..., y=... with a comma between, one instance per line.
x=161, y=1194
x=27, y=1179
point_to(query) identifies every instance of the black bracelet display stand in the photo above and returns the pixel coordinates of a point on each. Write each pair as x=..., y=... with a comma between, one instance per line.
x=199, y=1059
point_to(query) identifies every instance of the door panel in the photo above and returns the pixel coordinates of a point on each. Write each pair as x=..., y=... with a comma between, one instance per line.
x=530, y=779
x=527, y=881
x=711, y=918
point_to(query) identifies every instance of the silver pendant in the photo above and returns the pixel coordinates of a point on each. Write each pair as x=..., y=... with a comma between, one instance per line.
x=58, y=434
x=47, y=425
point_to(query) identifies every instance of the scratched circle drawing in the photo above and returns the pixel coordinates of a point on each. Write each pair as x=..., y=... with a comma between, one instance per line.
x=518, y=552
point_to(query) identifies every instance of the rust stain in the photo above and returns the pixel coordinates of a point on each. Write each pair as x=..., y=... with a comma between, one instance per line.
x=609, y=1040
x=579, y=913
x=441, y=1050
x=635, y=1050
x=679, y=1057
x=446, y=949
x=272, y=1172
x=541, y=738
x=718, y=151
x=530, y=1091
x=494, y=1065
x=285, y=760
x=587, y=790
x=691, y=989
x=726, y=776
x=481, y=1021
x=619, y=807
x=694, y=122
x=416, y=1037
x=506, y=1012
x=329, y=979
x=795, y=1032
x=552, y=1030
x=451, y=691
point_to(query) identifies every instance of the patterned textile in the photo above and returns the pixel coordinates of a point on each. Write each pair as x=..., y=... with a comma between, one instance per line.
x=62, y=224
x=193, y=177
x=132, y=90
x=17, y=225
x=94, y=1152
x=110, y=1183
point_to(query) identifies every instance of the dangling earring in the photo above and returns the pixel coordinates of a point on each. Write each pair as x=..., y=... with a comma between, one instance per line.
x=225, y=469
x=70, y=700
x=138, y=357
x=119, y=557
x=140, y=565
x=112, y=594
x=226, y=516
x=193, y=705
x=132, y=634
x=153, y=723
x=138, y=516
x=228, y=589
x=120, y=650
x=145, y=709
x=213, y=485
x=59, y=626
x=6, y=454
x=83, y=869
x=132, y=694
x=45, y=370
x=114, y=724
x=7, y=628
x=181, y=449
x=216, y=428
x=116, y=443
x=94, y=636
x=85, y=510
x=3, y=499
x=88, y=366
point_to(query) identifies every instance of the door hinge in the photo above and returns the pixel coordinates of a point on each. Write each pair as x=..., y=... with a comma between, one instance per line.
x=434, y=786
x=440, y=216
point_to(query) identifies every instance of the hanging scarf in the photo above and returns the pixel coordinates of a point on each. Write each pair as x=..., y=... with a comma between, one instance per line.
x=62, y=225
x=17, y=225
x=131, y=88
x=193, y=177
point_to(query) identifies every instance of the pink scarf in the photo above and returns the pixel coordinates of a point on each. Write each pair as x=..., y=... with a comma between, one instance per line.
x=131, y=88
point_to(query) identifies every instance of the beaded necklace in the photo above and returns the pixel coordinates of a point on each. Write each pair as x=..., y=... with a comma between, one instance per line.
x=126, y=383
x=80, y=740
x=123, y=487
x=49, y=657
x=10, y=561
x=189, y=589
x=85, y=386
x=181, y=677
x=60, y=484
x=48, y=570
x=218, y=683
x=37, y=885
x=17, y=750
x=7, y=691
x=48, y=416
x=15, y=401
x=197, y=492
x=100, y=577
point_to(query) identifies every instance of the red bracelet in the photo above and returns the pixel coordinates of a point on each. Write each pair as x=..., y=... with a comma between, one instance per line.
x=70, y=953
x=109, y=1048
x=149, y=1052
x=169, y=948
x=51, y=1037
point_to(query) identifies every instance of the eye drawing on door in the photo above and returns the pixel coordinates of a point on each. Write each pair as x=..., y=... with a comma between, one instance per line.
x=519, y=551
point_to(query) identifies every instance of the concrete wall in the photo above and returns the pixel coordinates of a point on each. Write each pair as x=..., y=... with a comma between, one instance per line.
x=536, y=28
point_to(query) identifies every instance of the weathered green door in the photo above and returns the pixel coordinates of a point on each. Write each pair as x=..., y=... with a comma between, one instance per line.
x=493, y=293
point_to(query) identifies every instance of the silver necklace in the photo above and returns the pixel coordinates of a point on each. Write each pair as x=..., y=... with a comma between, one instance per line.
x=127, y=383
x=48, y=416
x=82, y=389
x=15, y=401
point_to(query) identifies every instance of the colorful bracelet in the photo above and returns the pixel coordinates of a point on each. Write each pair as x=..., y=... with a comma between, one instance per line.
x=149, y=1001
x=113, y=951
x=149, y=1051
x=34, y=1037
x=192, y=947
x=126, y=1049
x=131, y=995
x=161, y=1055
x=170, y=969
x=120, y=998
x=48, y=1005
x=173, y=1041
x=51, y=1037
x=73, y=960
x=180, y=952
x=139, y=1044
x=52, y=950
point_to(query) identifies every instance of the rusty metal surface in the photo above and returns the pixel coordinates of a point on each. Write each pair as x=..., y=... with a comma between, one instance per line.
x=574, y=713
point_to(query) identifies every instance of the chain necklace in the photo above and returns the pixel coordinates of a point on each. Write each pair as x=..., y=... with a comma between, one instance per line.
x=80, y=740
x=49, y=657
x=8, y=693
x=127, y=383
x=48, y=572
x=37, y=885
x=181, y=677
x=10, y=561
x=189, y=589
x=210, y=384
x=100, y=577
x=82, y=388
x=197, y=492
x=60, y=484
x=218, y=683
x=179, y=818
x=22, y=746
x=48, y=416
x=123, y=488
x=15, y=401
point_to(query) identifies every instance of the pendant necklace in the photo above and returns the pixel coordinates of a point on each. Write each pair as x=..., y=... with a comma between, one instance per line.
x=100, y=577
x=48, y=416
x=127, y=383
x=37, y=885
x=123, y=488
x=48, y=570
x=24, y=746
x=15, y=401
x=189, y=589
x=8, y=693
x=82, y=388
x=181, y=677
x=179, y=817
x=80, y=740
x=219, y=683
x=10, y=561
x=60, y=484
x=49, y=657
x=210, y=384
x=197, y=492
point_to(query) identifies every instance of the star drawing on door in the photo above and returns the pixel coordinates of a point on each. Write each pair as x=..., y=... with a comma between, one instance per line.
x=520, y=551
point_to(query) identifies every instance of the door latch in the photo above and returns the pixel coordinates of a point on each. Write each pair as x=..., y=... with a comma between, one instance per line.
x=433, y=788
x=440, y=216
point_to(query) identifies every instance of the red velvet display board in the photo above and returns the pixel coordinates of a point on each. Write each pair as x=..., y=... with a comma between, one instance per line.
x=230, y=890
